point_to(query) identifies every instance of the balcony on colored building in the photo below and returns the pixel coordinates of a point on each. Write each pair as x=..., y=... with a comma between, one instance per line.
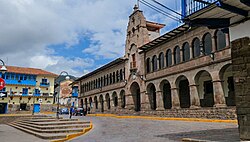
x=44, y=84
x=74, y=94
x=19, y=79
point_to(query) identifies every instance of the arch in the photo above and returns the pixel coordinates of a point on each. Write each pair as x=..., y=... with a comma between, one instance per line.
x=117, y=76
x=154, y=63
x=121, y=75
x=183, y=90
x=96, y=102
x=110, y=78
x=161, y=60
x=152, y=96
x=168, y=58
x=86, y=103
x=90, y=102
x=136, y=94
x=102, y=103
x=220, y=40
x=148, y=69
x=196, y=47
x=115, y=99
x=177, y=58
x=204, y=83
x=107, y=98
x=186, y=51
x=114, y=80
x=123, y=99
x=81, y=103
x=107, y=79
x=207, y=44
x=166, y=93
x=226, y=76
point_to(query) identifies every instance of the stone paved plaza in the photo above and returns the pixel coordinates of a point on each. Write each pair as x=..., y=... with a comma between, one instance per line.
x=109, y=129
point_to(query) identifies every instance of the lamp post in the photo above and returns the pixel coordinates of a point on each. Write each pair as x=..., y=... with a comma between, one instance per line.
x=67, y=78
x=3, y=68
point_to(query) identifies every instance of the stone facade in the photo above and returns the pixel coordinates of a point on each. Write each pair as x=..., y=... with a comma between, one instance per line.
x=183, y=73
x=241, y=70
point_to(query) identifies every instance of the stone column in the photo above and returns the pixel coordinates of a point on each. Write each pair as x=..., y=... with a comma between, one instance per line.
x=219, y=98
x=119, y=103
x=93, y=108
x=105, y=107
x=241, y=71
x=172, y=57
x=213, y=44
x=159, y=100
x=191, y=52
x=129, y=102
x=145, y=105
x=181, y=54
x=175, y=98
x=227, y=40
x=194, y=96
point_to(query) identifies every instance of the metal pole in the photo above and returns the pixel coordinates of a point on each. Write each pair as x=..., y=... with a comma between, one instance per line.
x=57, y=109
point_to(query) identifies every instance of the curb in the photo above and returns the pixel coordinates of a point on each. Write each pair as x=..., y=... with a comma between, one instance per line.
x=164, y=118
x=72, y=136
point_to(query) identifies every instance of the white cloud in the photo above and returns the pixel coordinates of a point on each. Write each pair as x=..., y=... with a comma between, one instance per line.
x=28, y=27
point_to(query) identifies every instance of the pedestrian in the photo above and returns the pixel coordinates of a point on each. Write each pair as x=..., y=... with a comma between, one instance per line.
x=71, y=111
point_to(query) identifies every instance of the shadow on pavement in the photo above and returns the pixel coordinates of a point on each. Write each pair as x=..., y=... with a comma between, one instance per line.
x=220, y=135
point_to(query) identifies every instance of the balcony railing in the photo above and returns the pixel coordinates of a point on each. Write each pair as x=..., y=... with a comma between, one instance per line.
x=20, y=82
x=74, y=94
x=191, y=6
x=44, y=84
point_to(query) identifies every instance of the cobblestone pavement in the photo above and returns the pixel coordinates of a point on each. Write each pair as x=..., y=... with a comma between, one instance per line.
x=108, y=129
x=9, y=134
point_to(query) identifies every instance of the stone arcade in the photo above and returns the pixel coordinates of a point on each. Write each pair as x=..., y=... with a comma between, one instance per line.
x=183, y=73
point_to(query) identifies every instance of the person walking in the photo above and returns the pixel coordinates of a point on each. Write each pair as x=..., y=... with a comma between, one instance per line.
x=71, y=111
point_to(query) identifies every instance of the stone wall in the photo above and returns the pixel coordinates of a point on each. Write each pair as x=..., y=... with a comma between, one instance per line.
x=227, y=113
x=241, y=70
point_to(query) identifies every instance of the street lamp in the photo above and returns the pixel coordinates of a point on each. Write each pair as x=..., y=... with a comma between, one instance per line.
x=3, y=68
x=67, y=78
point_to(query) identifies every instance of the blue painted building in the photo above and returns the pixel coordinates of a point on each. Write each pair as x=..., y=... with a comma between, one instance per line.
x=25, y=88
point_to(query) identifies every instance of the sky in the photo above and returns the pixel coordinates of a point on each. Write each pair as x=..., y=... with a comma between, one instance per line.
x=76, y=36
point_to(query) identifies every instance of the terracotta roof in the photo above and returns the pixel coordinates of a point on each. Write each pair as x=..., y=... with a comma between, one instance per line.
x=24, y=70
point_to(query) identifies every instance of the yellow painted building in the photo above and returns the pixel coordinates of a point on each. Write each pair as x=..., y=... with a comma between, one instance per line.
x=27, y=89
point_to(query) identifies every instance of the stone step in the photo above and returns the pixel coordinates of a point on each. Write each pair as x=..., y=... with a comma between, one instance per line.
x=67, y=130
x=55, y=123
x=48, y=136
x=50, y=119
x=55, y=126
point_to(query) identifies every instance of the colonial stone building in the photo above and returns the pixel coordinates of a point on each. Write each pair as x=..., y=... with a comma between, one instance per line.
x=184, y=73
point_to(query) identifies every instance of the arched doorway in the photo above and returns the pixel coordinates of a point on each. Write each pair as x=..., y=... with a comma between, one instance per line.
x=166, y=93
x=136, y=94
x=123, y=99
x=81, y=103
x=204, y=83
x=152, y=96
x=90, y=102
x=86, y=103
x=96, y=102
x=107, y=98
x=115, y=99
x=226, y=75
x=184, y=91
x=102, y=103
